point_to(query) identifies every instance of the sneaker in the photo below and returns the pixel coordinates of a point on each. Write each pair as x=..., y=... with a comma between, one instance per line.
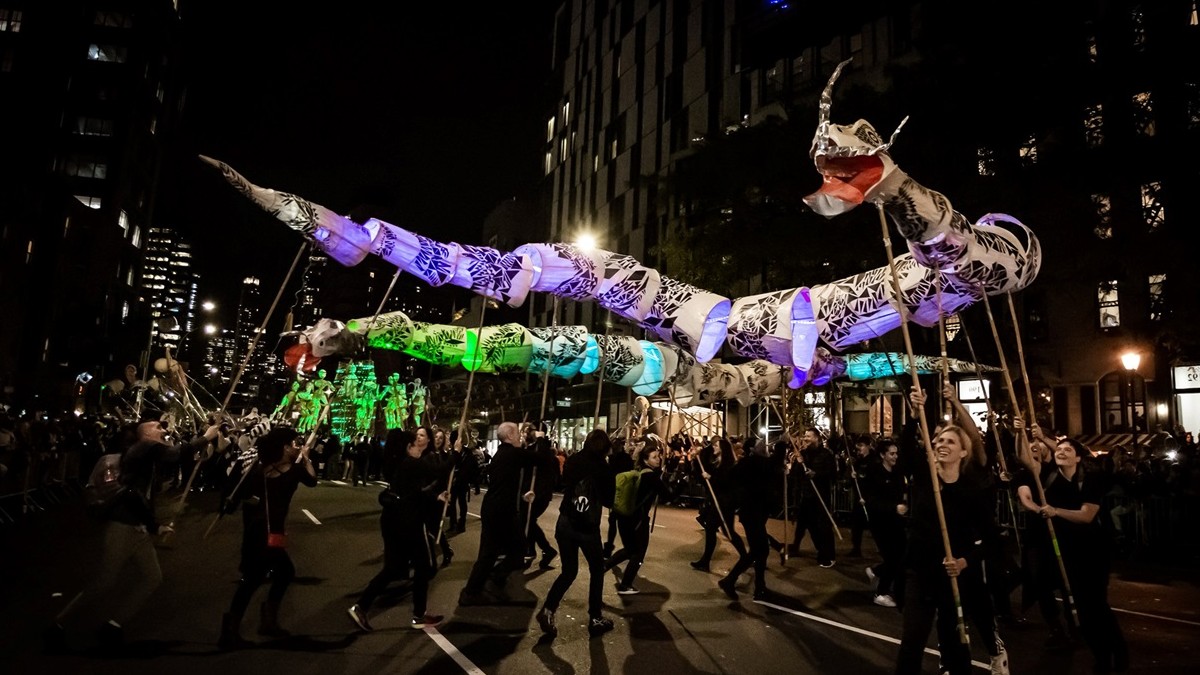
x=871, y=576
x=545, y=619
x=426, y=621
x=727, y=586
x=547, y=558
x=360, y=618
x=699, y=565
x=599, y=625
x=885, y=601
x=826, y=564
x=1000, y=661
x=627, y=590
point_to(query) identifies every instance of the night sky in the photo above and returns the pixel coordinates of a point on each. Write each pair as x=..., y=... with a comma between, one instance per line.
x=428, y=123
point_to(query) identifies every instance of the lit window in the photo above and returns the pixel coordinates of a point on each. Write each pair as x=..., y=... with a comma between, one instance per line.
x=986, y=161
x=123, y=222
x=136, y=240
x=1153, y=212
x=562, y=148
x=1143, y=114
x=107, y=53
x=90, y=202
x=92, y=126
x=549, y=163
x=566, y=114
x=1093, y=125
x=549, y=129
x=1156, y=285
x=85, y=167
x=1028, y=151
x=1102, y=206
x=1109, y=304
x=1092, y=52
x=10, y=21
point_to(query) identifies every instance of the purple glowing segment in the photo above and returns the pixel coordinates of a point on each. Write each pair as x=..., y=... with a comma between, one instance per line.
x=805, y=334
x=779, y=327
x=420, y=256
x=690, y=317
x=342, y=239
x=564, y=270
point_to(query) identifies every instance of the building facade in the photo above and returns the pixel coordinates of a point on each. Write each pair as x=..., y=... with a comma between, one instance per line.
x=91, y=93
x=1065, y=117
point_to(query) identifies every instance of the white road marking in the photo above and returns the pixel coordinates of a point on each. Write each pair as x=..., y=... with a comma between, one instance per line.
x=459, y=658
x=1155, y=616
x=856, y=629
x=311, y=516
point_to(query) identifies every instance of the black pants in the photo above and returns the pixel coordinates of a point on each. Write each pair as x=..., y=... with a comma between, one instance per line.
x=888, y=534
x=712, y=526
x=811, y=518
x=635, y=539
x=928, y=597
x=458, y=504
x=571, y=543
x=405, y=548
x=537, y=536
x=756, y=556
x=274, y=561
x=1088, y=571
x=495, y=539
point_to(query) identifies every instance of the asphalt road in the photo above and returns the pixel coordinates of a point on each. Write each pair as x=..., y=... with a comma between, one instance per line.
x=817, y=620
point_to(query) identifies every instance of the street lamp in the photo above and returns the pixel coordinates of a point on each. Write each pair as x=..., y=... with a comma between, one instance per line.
x=1131, y=361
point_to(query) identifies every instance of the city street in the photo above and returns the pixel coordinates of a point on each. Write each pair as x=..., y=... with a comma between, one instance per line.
x=817, y=620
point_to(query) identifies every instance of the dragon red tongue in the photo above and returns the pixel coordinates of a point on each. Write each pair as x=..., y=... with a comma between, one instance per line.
x=845, y=184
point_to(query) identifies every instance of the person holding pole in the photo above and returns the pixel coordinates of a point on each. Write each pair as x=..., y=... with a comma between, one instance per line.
x=752, y=477
x=547, y=477
x=715, y=463
x=1037, y=557
x=1072, y=502
x=635, y=528
x=440, y=461
x=886, y=491
x=815, y=467
x=413, y=490
x=588, y=487
x=502, y=520
x=966, y=503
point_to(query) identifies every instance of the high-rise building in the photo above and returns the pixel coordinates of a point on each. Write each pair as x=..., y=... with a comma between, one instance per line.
x=1071, y=117
x=169, y=285
x=247, y=338
x=91, y=93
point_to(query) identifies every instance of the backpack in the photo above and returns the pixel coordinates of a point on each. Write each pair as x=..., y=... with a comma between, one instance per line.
x=103, y=485
x=625, y=500
x=584, y=508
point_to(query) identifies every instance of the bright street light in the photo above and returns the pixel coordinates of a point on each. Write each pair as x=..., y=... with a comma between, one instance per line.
x=586, y=241
x=210, y=329
x=1131, y=360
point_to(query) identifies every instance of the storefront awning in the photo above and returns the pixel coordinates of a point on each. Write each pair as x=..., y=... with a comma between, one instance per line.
x=1104, y=442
